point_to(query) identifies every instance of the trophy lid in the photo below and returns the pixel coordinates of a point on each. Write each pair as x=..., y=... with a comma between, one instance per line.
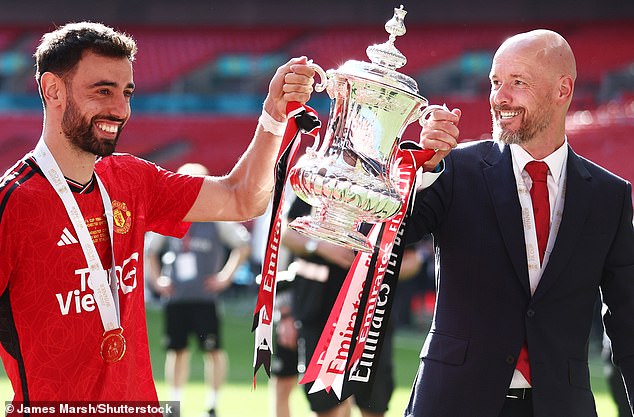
x=386, y=59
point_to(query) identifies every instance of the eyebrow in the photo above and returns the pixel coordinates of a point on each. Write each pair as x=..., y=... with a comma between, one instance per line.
x=512, y=75
x=105, y=83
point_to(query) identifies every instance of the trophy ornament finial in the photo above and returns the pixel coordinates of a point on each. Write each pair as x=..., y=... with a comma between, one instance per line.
x=386, y=54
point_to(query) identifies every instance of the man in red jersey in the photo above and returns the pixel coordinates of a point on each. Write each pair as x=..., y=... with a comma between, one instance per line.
x=73, y=216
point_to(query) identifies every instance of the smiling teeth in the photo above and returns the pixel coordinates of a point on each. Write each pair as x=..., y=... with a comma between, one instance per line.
x=508, y=114
x=108, y=128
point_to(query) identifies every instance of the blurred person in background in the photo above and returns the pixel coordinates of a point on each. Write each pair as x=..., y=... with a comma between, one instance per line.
x=284, y=372
x=414, y=301
x=74, y=216
x=189, y=273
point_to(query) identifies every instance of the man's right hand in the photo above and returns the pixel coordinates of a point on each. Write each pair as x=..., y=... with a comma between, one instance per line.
x=440, y=132
x=292, y=81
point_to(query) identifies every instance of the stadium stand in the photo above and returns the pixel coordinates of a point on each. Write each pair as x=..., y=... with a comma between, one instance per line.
x=7, y=36
x=166, y=54
x=602, y=47
x=604, y=135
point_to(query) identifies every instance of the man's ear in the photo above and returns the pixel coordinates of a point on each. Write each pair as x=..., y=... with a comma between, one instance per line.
x=566, y=88
x=53, y=89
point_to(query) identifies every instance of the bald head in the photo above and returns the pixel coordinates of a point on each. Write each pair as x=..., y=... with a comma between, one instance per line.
x=532, y=84
x=549, y=49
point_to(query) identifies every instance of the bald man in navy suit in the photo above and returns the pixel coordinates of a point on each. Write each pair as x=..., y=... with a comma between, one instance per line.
x=515, y=299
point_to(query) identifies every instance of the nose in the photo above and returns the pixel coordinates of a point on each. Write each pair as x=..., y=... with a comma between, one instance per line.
x=499, y=95
x=120, y=107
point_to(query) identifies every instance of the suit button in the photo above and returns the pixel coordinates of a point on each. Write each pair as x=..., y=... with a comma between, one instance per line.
x=530, y=312
x=510, y=359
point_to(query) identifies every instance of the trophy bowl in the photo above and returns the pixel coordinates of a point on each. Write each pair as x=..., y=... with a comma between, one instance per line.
x=349, y=177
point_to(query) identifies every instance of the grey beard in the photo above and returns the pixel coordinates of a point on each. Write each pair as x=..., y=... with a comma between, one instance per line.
x=524, y=134
x=509, y=137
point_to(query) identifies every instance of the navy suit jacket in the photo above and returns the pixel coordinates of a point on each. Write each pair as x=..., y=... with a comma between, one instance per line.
x=484, y=309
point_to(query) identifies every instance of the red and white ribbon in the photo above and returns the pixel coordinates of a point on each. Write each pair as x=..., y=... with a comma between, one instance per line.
x=301, y=119
x=346, y=330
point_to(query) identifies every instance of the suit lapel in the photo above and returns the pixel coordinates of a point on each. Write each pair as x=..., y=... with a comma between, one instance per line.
x=576, y=208
x=498, y=174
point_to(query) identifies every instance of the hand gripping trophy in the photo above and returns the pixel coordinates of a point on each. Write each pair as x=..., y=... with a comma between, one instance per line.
x=349, y=177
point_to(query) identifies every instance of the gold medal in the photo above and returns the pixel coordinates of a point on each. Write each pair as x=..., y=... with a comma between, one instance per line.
x=113, y=345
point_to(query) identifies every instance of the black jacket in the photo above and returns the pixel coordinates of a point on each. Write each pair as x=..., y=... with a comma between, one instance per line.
x=484, y=309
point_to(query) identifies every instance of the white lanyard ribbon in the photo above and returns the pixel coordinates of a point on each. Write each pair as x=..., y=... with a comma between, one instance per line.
x=106, y=296
x=530, y=234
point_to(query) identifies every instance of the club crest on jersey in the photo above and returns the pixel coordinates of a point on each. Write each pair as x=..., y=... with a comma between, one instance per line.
x=122, y=217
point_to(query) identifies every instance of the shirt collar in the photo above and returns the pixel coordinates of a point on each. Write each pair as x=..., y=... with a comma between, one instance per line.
x=555, y=161
x=74, y=186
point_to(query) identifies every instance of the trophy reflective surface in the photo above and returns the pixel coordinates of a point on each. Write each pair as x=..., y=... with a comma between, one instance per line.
x=349, y=177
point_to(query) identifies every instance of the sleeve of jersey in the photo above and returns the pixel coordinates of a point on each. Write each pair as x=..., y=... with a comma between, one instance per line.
x=8, y=242
x=6, y=258
x=170, y=199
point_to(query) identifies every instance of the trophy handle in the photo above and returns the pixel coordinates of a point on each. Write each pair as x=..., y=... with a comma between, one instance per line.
x=427, y=111
x=322, y=75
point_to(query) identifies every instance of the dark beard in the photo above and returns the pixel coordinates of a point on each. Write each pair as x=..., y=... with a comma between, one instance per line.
x=80, y=132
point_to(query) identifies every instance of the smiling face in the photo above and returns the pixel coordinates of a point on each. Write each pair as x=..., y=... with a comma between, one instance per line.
x=97, y=103
x=521, y=103
x=531, y=88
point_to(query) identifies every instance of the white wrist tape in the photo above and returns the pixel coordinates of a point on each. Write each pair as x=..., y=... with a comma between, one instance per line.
x=269, y=124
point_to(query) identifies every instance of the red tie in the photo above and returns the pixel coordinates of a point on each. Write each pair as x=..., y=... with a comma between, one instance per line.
x=541, y=211
x=541, y=206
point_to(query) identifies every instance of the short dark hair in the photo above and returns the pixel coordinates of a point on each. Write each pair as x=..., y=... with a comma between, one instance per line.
x=59, y=51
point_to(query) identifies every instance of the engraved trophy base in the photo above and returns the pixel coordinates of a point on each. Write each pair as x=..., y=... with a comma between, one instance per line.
x=340, y=230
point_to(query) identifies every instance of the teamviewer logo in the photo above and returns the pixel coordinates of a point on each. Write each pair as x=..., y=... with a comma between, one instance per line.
x=67, y=238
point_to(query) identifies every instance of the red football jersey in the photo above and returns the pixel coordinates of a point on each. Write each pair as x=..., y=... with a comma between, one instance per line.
x=50, y=328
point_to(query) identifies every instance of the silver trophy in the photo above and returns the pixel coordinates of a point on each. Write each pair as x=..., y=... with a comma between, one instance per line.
x=349, y=178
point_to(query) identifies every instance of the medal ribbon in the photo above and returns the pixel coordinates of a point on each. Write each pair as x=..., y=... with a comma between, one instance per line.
x=301, y=118
x=106, y=295
x=535, y=267
x=346, y=331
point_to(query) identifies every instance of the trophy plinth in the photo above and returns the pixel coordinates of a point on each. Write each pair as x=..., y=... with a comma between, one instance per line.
x=349, y=177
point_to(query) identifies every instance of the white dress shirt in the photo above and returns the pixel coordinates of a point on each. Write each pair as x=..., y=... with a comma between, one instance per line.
x=556, y=181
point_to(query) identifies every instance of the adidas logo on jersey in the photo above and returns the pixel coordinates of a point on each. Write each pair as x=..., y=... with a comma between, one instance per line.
x=67, y=238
